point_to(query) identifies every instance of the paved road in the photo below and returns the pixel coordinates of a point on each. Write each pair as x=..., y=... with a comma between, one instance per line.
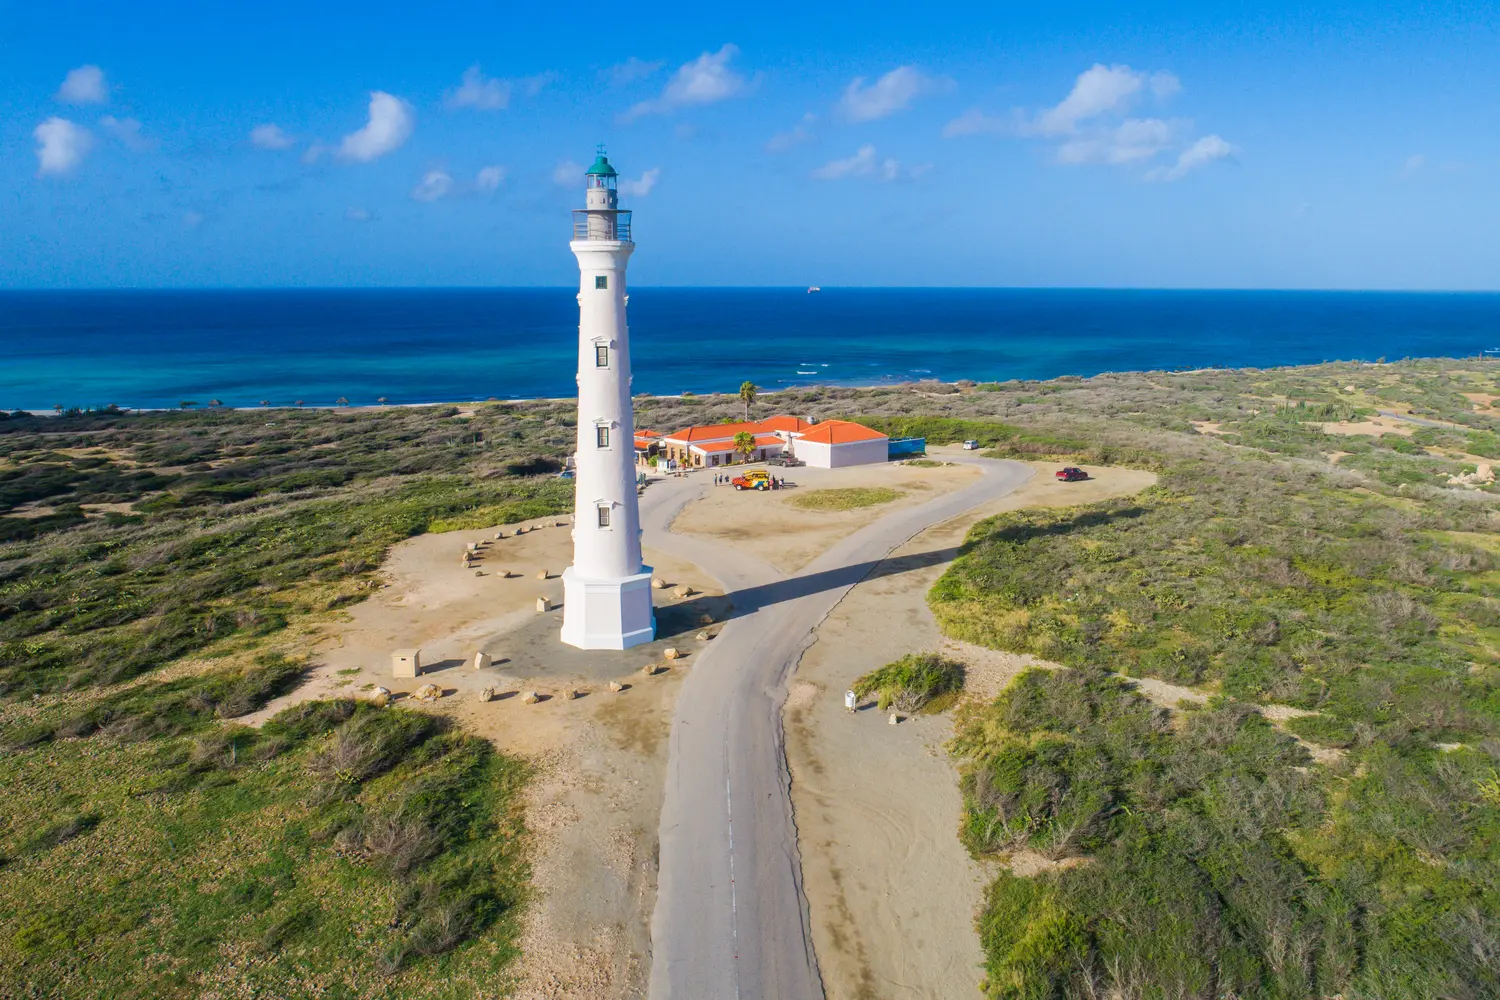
x=731, y=920
x=1417, y=420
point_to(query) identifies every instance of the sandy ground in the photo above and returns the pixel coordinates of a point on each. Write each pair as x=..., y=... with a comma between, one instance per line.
x=600, y=757
x=767, y=525
x=1373, y=427
x=892, y=893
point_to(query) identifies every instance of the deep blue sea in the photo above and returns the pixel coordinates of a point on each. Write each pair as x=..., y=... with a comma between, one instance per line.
x=158, y=348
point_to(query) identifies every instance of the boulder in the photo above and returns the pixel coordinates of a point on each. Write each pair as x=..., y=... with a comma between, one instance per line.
x=499, y=535
x=893, y=720
x=650, y=669
x=473, y=546
x=429, y=692
x=541, y=574
x=704, y=637
x=658, y=584
x=543, y=605
x=379, y=697
x=529, y=698
x=481, y=660
x=681, y=592
x=567, y=694
x=671, y=653
x=705, y=619
x=488, y=693
x=616, y=686
x=479, y=572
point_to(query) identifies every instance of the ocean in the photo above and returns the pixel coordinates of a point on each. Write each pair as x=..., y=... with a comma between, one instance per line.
x=160, y=348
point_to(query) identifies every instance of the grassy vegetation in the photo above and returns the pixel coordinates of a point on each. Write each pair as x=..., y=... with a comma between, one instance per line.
x=1221, y=861
x=150, y=566
x=917, y=682
x=845, y=498
x=340, y=850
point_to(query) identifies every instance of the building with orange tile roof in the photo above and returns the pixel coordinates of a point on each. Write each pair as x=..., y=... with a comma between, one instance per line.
x=831, y=444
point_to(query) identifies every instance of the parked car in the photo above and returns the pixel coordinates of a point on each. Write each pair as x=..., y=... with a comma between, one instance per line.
x=971, y=445
x=1071, y=474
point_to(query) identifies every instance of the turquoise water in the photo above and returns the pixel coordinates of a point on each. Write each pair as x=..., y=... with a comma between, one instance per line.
x=158, y=348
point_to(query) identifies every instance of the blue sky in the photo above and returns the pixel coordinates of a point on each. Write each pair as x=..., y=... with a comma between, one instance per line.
x=1184, y=145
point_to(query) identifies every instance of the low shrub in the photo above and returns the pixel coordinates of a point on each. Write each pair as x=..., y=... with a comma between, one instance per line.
x=845, y=498
x=913, y=683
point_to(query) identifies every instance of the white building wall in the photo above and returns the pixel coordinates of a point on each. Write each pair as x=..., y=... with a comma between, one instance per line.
x=838, y=456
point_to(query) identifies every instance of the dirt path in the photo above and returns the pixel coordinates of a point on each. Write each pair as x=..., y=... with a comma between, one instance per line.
x=892, y=893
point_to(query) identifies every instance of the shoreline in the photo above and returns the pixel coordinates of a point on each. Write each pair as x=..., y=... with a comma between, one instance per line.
x=762, y=392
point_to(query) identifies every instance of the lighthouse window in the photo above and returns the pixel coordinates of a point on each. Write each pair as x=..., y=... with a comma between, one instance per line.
x=601, y=281
x=601, y=355
x=603, y=517
x=601, y=435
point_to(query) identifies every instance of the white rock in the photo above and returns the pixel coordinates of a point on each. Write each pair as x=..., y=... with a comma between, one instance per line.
x=529, y=698
x=379, y=697
x=658, y=584
x=893, y=720
x=481, y=660
x=616, y=686
x=541, y=574
x=488, y=693
x=683, y=592
x=671, y=653
x=543, y=605
x=429, y=692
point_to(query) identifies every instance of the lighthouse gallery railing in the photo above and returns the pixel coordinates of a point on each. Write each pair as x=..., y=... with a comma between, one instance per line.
x=601, y=224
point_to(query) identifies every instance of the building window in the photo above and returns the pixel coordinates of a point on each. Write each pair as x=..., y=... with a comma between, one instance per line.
x=601, y=436
x=601, y=281
x=603, y=516
x=601, y=355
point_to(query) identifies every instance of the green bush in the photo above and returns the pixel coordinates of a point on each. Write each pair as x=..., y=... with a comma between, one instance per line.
x=916, y=682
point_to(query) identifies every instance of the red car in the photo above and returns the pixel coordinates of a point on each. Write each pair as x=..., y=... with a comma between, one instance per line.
x=1071, y=475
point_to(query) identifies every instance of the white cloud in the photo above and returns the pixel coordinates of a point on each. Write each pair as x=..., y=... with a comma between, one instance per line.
x=60, y=146
x=706, y=80
x=568, y=174
x=794, y=136
x=313, y=153
x=1133, y=139
x=1200, y=154
x=84, y=85
x=1413, y=164
x=891, y=93
x=533, y=85
x=976, y=122
x=1098, y=90
x=127, y=131
x=357, y=214
x=478, y=92
x=390, y=125
x=865, y=163
x=641, y=188
x=434, y=185
x=269, y=136
x=489, y=178
x=633, y=69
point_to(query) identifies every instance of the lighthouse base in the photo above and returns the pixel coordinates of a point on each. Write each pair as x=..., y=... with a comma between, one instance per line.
x=608, y=614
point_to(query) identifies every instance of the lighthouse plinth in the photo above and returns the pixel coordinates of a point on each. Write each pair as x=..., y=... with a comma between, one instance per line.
x=607, y=590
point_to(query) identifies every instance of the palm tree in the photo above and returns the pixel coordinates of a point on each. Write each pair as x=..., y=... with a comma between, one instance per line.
x=381, y=400
x=265, y=402
x=214, y=404
x=186, y=404
x=298, y=402
x=744, y=443
x=343, y=401
x=748, y=391
x=58, y=407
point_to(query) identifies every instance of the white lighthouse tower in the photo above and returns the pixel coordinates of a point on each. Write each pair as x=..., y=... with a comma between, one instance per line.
x=606, y=592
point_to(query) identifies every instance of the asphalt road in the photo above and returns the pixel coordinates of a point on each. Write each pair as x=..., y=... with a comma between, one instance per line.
x=731, y=919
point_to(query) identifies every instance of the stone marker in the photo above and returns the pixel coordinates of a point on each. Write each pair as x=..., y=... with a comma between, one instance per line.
x=683, y=592
x=704, y=637
x=705, y=619
x=488, y=693
x=541, y=574
x=379, y=697
x=499, y=535
x=473, y=547
x=543, y=605
x=616, y=686
x=505, y=574
x=567, y=694
x=406, y=663
x=466, y=564
x=893, y=720
x=671, y=653
x=658, y=584
x=650, y=669
x=481, y=660
x=479, y=572
x=529, y=698
x=429, y=692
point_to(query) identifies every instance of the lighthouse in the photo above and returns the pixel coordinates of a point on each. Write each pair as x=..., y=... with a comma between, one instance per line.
x=607, y=591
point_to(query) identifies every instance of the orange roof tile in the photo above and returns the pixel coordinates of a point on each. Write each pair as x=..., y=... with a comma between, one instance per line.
x=841, y=432
x=711, y=432
x=763, y=441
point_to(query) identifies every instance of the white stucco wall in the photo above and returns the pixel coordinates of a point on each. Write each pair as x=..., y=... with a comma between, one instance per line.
x=838, y=456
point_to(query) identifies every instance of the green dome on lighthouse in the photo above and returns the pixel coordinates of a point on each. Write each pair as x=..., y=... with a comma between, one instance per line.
x=601, y=168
